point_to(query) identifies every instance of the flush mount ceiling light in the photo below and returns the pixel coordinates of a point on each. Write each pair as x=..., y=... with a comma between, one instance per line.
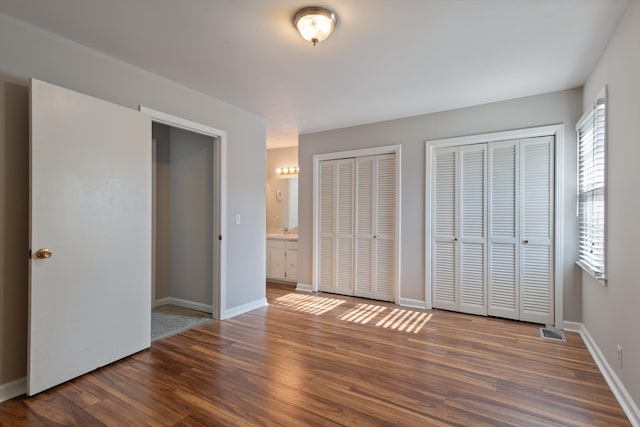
x=314, y=23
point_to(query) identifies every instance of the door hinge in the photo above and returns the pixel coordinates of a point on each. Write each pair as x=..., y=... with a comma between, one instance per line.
x=285, y=274
x=30, y=255
x=219, y=236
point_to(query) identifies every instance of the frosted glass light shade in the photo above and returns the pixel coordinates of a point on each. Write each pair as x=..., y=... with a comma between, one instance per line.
x=315, y=23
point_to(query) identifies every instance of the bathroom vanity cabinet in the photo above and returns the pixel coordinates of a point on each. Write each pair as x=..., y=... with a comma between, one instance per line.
x=282, y=259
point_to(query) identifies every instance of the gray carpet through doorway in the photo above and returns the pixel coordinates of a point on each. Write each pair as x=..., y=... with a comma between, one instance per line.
x=169, y=320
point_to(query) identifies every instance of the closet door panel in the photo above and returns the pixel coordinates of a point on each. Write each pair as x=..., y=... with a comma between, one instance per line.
x=503, y=288
x=536, y=277
x=344, y=267
x=445, y=291
x=472, y=203
x=385, y=227
x=364, y=227
x=384, y=271
x=363, y=268
x=503, y=256
x=472, y=279
x=444, y=264
x=344, y=223
x=326, y=223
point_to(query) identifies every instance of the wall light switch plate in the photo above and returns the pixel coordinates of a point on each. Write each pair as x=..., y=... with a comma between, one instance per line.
x=237, y=219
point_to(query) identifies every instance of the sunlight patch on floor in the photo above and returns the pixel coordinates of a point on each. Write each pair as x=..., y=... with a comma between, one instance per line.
x=308, y=303
x=397, y=318
x=362, y=313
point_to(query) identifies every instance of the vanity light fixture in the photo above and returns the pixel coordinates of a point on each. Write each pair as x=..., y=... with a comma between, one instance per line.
x=288, y=170
x=315, y=23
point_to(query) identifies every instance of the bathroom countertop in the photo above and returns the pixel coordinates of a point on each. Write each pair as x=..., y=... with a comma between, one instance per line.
x=282, y=236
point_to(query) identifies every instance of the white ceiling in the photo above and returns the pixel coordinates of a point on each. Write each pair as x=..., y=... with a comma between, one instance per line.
x=386, y=58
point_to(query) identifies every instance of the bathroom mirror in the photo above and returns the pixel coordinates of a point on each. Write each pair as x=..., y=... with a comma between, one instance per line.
x=282, y=204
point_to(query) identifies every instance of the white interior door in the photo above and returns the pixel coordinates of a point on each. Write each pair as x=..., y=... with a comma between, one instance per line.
x=364, y=230
x=326, y=232
x=472, y=272
x=344, y=226
x=536, y=231
x=91, y=207
x=503, y=253
x=445, y=228
x=384, y=286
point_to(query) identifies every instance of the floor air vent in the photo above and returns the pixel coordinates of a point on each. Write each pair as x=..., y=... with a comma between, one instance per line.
x=553, y=334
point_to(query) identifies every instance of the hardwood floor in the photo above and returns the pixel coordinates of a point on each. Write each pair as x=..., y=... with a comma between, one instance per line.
x=333, y=360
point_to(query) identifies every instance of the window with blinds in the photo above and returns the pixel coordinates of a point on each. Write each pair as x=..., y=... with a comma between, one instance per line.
x=592, y=135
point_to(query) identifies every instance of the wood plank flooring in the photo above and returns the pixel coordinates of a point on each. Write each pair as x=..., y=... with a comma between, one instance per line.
x=332, y=360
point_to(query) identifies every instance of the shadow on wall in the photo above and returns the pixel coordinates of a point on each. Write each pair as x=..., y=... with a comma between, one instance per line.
x=14, y=228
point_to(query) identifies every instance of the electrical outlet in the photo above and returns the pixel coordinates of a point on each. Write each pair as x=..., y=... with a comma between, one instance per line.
x=619, y=355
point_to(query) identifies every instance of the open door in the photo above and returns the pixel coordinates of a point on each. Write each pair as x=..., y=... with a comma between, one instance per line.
x=90, y=236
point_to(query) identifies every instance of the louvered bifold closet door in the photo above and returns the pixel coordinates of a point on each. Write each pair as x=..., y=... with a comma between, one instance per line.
x=536, y=230
x=503, y=226
x=444, y=229
x=344, y=226
x=384, y=227
x=326, y=224
x=472, y=225
x=364, y=268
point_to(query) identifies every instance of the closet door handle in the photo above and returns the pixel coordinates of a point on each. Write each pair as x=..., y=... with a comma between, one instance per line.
x=455, y=239
x=525, y=242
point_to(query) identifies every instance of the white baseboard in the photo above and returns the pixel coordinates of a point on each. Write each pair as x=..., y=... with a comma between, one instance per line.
x=619, y=391
x=412, y=303
x=282, y=282
x=570, y=326
x=304, y=287
x=244, y=308
x=184, y=303
x=160, y=302
x=13, y=389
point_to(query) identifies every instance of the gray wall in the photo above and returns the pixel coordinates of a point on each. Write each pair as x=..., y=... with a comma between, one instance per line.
x=14, y=227
x=611, y=313
x=191, y=193
x=28, y=51
x=162, y=211
x=411, y=133
x=184, y=215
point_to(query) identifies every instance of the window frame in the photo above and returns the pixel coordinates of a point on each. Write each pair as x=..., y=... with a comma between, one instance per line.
x=591, y=119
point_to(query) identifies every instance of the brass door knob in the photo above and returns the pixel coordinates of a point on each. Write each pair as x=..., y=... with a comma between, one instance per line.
x=43, y=253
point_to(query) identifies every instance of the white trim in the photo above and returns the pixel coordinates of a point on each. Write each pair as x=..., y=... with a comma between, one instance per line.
x=374, y=151
x=303, y=287
x=482, y=138
x=244, y=308
x=220, y=202
x=552, y=130
x=629, y=407
x=13, y=389
x=187, y=304
x=412, y=303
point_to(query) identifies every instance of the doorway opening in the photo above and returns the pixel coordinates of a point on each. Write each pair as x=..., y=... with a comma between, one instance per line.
x=188, y=205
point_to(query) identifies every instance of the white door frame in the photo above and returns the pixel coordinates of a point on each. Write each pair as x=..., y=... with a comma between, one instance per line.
x=317, y=158
x=557, y=131
x=219, y=261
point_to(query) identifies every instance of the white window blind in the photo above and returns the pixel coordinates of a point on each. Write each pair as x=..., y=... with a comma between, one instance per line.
x=592, y=137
